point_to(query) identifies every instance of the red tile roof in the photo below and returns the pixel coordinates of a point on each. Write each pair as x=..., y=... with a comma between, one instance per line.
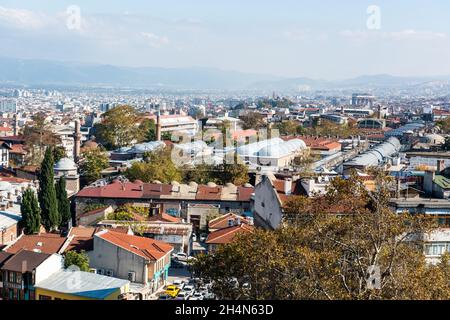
x=93, y=212
x=17, y=149
x=156, y=190
x=143, y=247
x=222, y=221
x=116, y=189
x=83, y=239
x=165, y=218
x=224, y=236
x=208, y=193
x=244, y=193
x=47, y=243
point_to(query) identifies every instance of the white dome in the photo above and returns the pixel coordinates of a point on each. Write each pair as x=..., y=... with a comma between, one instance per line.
x=65, y=164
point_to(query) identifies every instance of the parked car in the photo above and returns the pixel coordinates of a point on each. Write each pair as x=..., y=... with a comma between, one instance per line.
x=180, y=284
x=209, y=296
x=203, y=289
x=164, y=297
x=180, y=256
x=189, y=289
x=183, y=295
x=172, y=291
x=194, y=237
x=197, y=296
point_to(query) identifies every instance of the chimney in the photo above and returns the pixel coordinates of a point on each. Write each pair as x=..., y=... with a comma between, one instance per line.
x=158, y=125
x=288, y=186
x=77, y=142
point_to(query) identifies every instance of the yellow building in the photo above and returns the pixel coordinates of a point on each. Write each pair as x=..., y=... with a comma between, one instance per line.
x=79, y=285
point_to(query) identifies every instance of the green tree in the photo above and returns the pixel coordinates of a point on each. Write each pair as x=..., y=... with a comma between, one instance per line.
x=47, y=193
x=158, y=165
x=327, y=248
x=31, y=215
x=252, y=120
x=58, y=153
x=235, y=173
x=119, y=127
x=38, y=135
x=63, y=202
x=148, y=129
x=93, y=163
x=79, y=259
x=288, y=128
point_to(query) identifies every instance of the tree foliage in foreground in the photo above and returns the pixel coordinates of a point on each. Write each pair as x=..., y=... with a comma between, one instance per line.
x=50, y=216
x=31, y=214
x=157, y=165
x=325, y=250
x=79, y=259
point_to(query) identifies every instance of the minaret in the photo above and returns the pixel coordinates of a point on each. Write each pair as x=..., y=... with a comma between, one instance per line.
x=16, y=125
x=158, y=125
x=77, y=141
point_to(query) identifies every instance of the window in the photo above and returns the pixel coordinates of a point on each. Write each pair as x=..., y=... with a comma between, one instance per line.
x=437, y=249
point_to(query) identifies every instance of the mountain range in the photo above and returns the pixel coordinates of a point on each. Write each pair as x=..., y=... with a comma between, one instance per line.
x=44, y=72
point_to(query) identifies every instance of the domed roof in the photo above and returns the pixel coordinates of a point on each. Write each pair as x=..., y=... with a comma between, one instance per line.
x=65, y=164
x=157, y=182
x=248, y=185
x=211, y=184
x=175, y=183
x=193, y=184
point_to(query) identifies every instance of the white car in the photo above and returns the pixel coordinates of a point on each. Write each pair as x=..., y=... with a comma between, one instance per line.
x=194, y=237
x=183, y=295
x=189, y=289
x=180, y=256
x=197, y=296
x=179, y=284
x=203, y=237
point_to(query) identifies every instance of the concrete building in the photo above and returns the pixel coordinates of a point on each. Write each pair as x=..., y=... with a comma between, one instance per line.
x=23, y=270
x=9, y=227
x=142, y=261
x=363, y=99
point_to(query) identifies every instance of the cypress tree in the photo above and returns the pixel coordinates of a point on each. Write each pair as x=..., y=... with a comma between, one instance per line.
x=63, y=202
x=31, y=219
x=47, y=193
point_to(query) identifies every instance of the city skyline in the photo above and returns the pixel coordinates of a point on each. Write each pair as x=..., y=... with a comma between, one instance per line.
x=320, y=41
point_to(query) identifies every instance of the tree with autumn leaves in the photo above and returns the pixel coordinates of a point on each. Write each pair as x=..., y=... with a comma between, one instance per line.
x=347, y=244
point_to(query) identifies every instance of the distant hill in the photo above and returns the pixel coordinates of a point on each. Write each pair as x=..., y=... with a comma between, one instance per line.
x=44, y=72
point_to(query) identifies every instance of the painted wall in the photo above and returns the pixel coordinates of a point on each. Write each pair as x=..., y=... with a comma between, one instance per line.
x=108, y=256
x=51, y=265
x=266, y=205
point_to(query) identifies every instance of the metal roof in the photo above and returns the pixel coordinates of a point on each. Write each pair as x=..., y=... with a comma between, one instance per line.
x=83, y=284
x=377, y=155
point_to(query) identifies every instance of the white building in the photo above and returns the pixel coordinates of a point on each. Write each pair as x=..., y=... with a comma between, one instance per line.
x=273, y=152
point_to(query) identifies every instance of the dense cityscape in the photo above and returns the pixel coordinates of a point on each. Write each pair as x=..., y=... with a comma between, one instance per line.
x=276, y=189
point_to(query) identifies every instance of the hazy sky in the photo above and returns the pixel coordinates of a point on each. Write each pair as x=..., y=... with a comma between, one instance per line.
x=326, y=39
